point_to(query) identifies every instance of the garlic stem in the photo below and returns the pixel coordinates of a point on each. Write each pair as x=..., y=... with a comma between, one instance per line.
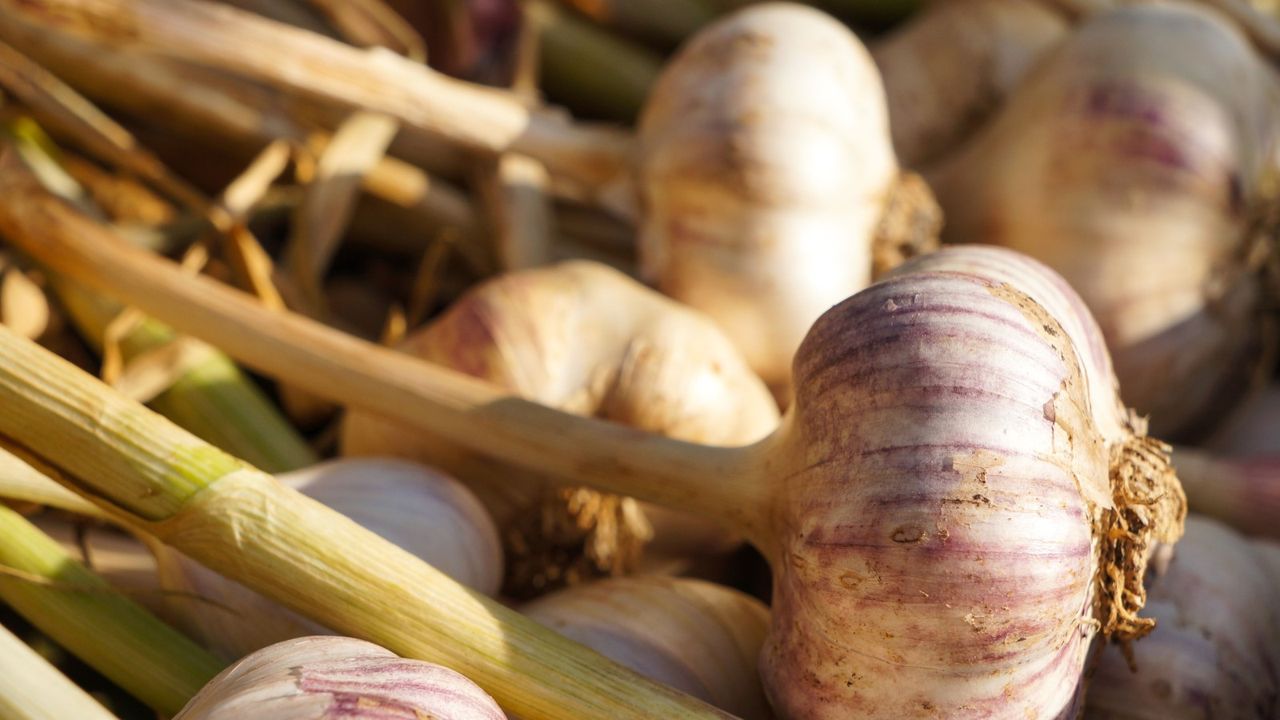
x=240, y=522
x=1243, y=492
x=85, y=615
x=32, y=689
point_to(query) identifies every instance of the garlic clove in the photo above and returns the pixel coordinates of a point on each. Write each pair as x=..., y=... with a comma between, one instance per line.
x=698, y=637
x=316, y=678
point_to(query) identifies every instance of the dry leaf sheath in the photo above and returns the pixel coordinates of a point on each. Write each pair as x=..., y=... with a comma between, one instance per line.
x=971, y=416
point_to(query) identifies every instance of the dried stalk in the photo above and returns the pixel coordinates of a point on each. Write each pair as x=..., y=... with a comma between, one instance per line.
x=208, y=107
x=451, y=406
x=595, y=159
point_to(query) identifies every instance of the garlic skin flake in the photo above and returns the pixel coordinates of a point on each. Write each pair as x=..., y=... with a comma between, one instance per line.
x=317, y=678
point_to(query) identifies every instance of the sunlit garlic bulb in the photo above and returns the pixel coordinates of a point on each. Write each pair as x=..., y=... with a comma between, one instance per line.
x=324, y=678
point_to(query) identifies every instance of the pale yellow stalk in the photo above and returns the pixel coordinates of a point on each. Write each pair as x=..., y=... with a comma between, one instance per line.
x=82, y=613
x=241, y=522
x=32, y=689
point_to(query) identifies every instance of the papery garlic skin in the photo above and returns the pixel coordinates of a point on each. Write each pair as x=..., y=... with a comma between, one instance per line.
x=698, y=637
x=1136, y=162
x=318, y=678
x=424, y=512
x=1214, y=653
x=956, y=522
x=953, y=63
x=765, y=166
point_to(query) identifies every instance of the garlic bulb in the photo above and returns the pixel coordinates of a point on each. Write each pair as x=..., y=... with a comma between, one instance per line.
x=698, y=637
x=318, y=678
x=765, y=170
x=584, y=338
x=1136, y=161
x=1268, y=552
x=954, y=62
x=953, y=549
x=424, y=512
x=1243, y=492
x=1214, y=653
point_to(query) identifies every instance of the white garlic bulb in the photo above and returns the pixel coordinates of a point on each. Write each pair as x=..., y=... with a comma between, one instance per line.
x=317, y=678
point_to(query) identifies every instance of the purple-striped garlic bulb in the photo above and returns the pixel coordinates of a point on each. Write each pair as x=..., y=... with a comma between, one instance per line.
x=319, y=678
x=427, y=513
x=586, y=339
x=698, y=637
x=1215, y=653
x=963, y=505
x=1138, y=161
x=765, y=171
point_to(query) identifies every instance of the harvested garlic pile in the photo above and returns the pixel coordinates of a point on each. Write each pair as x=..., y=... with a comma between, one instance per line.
x=1138, y=161
x=316, y=678
x=424, y=512
x=767, y=174
x=586, y=339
